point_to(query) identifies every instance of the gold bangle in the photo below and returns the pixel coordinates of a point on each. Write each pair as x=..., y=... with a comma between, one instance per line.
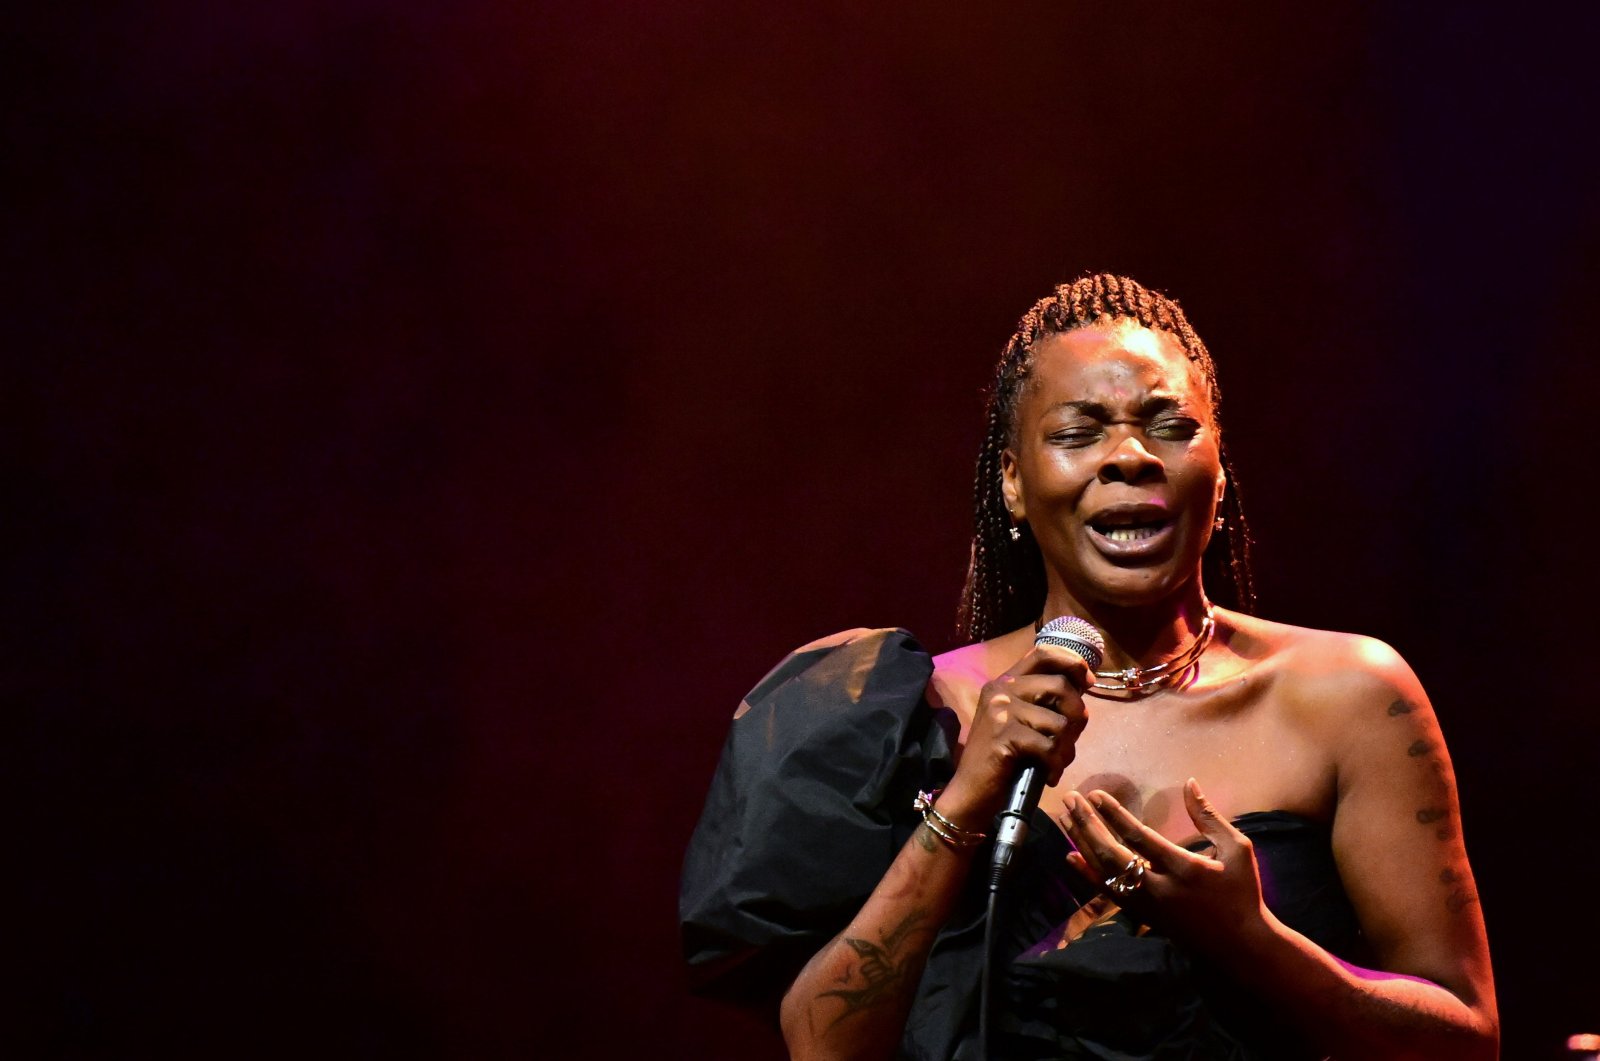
x=937, y=830
x=943, y=827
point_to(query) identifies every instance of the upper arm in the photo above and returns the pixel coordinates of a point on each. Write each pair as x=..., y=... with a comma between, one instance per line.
x=1397, y=833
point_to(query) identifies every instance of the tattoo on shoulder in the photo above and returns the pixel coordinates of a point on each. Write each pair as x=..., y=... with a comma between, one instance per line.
x=882, y=968
x=1399, y=707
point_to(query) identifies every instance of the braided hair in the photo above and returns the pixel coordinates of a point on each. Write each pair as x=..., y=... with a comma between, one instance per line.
x=1006, y=583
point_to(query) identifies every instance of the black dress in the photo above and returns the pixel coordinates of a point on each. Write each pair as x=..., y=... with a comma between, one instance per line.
x=812, y=802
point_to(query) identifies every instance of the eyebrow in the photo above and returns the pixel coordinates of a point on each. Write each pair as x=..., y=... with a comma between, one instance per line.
x=1101, y=411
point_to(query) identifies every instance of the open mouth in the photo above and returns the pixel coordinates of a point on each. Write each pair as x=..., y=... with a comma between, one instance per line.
x=1131, y=532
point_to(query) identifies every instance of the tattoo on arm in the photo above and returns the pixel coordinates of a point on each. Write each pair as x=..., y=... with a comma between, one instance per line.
x=1435, y=761
x=925, y=838
x=883, y=967
x=1460, y=896
x=1430, y=815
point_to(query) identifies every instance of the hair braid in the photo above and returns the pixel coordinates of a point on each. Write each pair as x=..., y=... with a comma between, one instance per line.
x=1005, y=581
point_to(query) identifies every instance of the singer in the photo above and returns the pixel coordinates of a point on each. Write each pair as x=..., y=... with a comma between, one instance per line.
x=1248, y=844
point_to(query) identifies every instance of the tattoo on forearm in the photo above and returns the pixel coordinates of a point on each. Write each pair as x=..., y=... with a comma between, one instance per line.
x=925, y=838
x=883, y=967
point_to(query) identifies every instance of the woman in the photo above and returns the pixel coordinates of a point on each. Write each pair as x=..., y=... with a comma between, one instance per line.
x=1265, y=854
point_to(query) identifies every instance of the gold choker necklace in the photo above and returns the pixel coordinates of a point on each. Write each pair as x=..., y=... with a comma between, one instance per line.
x=1148, y=679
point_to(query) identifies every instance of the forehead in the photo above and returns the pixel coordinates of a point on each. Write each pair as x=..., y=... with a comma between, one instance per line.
x=1114, y=361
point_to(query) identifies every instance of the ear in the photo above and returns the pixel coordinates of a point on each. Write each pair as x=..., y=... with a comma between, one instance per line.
x=1011, y=486
x=1222, y=486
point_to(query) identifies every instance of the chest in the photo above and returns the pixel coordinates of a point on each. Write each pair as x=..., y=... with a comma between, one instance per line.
x=1246, y=753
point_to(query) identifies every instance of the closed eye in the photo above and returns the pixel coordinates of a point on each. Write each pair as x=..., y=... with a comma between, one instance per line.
x=1175, y=428
x=1076, y=436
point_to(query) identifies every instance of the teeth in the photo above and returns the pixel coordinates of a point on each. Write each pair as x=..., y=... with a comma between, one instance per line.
x=1131, y=534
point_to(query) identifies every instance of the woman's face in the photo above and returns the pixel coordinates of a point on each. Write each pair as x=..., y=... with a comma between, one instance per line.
x=1115, y=467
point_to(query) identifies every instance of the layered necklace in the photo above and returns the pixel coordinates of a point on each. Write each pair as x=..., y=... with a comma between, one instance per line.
x=1160, y=675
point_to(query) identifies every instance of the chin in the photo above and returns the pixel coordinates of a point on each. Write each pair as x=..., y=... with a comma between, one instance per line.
x=1134, y=587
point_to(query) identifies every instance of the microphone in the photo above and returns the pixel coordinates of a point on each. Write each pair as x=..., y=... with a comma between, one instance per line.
x=1077, y=636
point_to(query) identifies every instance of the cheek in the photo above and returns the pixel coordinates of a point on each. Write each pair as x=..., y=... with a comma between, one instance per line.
x=1056, y=476
x=1198, y=481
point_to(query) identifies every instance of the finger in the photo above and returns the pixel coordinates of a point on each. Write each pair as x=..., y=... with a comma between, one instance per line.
x=1051, y=723
x=1027, y=733
x=1137, y=836
x=1212, y=825
x=1047, y=690
x=1053, y=659
x=1105, y=854
x=1032, y=746
x=1050, y=748
x=1020, y=731
x=1062, y=660
x=1077, y=862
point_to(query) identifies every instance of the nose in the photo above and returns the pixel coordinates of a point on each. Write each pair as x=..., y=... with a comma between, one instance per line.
x=1130, y=462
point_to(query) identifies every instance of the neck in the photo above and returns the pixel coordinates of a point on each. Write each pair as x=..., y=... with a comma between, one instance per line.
x=1137, y=635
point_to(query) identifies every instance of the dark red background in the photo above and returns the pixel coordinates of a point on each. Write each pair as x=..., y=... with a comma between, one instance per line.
x=426, y=422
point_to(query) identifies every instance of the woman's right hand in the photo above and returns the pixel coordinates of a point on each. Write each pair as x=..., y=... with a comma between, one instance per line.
x=1031, y=714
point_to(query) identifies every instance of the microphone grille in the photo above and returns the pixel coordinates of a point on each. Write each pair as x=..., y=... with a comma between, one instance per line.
x=1075, y=635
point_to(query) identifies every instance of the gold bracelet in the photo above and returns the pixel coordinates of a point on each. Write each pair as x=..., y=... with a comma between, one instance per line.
x=943, y=827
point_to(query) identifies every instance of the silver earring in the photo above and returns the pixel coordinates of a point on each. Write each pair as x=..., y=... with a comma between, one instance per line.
x=1016, y=535
x=1220, y=523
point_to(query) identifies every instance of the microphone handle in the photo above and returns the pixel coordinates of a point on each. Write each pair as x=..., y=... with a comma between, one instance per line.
x=1012, y=826
x=1084, y=641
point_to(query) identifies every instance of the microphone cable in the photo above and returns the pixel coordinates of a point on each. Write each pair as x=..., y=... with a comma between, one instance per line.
x=1080, y=638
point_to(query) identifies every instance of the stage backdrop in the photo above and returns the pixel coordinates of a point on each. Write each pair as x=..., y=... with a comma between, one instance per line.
x=427, y=420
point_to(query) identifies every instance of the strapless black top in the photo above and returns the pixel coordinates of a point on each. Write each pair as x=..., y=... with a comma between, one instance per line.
x=811, y=803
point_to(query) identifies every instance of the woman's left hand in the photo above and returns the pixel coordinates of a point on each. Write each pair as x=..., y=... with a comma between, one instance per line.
x=1203, y=900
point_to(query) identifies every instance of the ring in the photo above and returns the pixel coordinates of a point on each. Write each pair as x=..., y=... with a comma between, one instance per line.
x=1132, y=876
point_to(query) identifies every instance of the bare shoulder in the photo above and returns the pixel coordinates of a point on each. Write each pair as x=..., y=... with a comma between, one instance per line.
x=965, y=662
x=1325, y=677
x=1319, y=664
x=960, y=674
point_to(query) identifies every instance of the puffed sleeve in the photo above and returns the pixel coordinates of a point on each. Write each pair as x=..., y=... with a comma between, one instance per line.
x=810, y=804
